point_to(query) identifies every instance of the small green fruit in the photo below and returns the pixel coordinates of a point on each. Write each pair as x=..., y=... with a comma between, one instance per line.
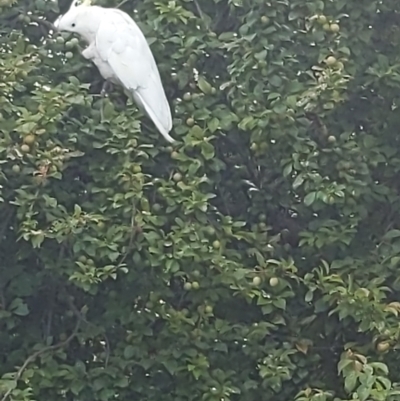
x=273, y=281
x=208, y=309
x=262, y=217
x=264, y=19
x=339, y=65
x=25, y=148
x=187, y=97
x=216, y=244
x=29, y=139
x=253, y=146
x=331, y=60
x=210, y=230
x=190, y=122
x=156, y=207
x=177, y=177
x=335, y=28
x=383, y=346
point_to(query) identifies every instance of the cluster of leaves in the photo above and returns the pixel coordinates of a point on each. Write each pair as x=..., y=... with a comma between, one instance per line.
x=256, y=258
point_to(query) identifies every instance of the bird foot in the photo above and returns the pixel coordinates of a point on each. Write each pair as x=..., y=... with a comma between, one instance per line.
x=106, y=88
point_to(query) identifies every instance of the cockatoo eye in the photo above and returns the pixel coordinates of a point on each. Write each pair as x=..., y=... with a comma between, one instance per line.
x=73, y=25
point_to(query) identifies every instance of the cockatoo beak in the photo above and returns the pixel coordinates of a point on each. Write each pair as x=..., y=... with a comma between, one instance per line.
x=57, y=22
x=75, y=3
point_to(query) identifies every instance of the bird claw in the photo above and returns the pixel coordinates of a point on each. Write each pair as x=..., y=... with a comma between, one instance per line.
x=107, y=87
x=102, y=110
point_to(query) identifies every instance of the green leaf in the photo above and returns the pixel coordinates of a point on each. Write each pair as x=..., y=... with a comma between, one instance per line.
x=288, y=169
x=108, y=110
x=343, y=364
x=298, y=181
x=129, y=352
x=204, y=86
x=309, y=296
x=207, y=150
x=37, y=239
x=123, y=382
x=310, y=198
x=293, y=15
x=350, y=382
x=280, y=303
x=392, y=234
x=76, y=387
x=27, y=128
x=21, y=310
x=379, y=366
x=196, y=132
x=213, y=124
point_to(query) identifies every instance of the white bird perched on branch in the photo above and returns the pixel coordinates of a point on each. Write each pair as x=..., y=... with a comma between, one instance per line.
x=120, y=51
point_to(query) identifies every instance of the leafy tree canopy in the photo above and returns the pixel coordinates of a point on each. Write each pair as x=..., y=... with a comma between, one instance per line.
x=257, y=259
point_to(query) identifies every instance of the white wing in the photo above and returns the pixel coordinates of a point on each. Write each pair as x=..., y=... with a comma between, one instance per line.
x=121, y=44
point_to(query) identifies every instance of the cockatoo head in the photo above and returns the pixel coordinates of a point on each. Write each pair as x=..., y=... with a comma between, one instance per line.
x=76, y=20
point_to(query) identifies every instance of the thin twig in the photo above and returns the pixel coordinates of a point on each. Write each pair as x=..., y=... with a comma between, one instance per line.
x=2, y=298
x=131, y=238
x=82, y=318
x=6, y=221
x=50, y=26
x=49, y=321
x=32, y=357
x=3, y=229
x=122, y=3
x=199, y=10
x=201, y=14
x=107, y=351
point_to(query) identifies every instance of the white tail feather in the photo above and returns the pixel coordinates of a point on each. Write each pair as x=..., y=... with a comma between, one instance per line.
x=163, y=126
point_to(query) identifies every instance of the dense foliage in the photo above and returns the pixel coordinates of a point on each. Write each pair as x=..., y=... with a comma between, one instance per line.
x=256, y=259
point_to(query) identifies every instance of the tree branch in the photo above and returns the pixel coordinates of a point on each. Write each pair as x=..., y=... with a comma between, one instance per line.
x=32, y=357
x=201, y=14
x=50, y=26
x=131, y=238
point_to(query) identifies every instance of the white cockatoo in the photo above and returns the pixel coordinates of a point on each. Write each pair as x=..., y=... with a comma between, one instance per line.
x=118, y=48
